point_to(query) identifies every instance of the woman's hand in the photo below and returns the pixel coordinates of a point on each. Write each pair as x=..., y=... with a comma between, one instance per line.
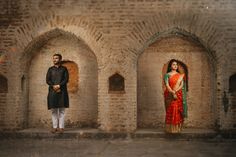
x=173, y=91
x=175, y=96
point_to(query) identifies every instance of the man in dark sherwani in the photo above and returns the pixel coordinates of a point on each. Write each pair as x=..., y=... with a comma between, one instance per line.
x=57, y=79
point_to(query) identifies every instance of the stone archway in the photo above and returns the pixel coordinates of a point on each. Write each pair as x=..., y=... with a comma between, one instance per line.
x=82, y=65
x=151, y=111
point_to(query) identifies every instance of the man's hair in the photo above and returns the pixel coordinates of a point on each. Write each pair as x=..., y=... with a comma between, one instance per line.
x=59, y=55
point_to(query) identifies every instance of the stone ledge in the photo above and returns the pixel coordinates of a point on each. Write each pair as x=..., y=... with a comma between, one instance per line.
x=188, y=134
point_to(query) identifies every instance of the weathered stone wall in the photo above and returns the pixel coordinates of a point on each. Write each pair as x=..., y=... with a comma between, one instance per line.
x=117, y=32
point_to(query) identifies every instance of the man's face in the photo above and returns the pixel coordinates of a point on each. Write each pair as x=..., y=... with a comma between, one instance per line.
x=56, y=60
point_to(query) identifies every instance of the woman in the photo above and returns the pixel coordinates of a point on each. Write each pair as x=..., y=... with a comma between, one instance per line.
x=175, y=98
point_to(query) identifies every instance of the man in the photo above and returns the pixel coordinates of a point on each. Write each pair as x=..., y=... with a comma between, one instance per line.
x=57, y=78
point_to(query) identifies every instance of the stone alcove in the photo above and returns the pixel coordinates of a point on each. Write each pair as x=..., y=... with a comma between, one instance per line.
x=116, y=83
x=152, y=64
x=73, y=71
x=3, y=98
x=3, y=84
x=82, y=66
x=232, y=92
x=232, y=84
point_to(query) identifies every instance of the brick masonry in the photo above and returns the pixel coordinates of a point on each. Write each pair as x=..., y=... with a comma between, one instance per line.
x=115, y=36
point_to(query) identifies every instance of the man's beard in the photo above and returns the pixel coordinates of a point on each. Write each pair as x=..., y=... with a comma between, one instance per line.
x=56, y=63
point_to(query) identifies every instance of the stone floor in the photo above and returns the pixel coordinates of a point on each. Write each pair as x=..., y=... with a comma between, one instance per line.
x=141, y=147
x=89, y=133
x=36, y=142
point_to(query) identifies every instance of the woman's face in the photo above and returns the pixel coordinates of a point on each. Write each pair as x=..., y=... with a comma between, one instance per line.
x=174, y=66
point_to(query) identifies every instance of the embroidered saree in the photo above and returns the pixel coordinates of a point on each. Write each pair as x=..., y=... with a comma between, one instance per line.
x=176, y=106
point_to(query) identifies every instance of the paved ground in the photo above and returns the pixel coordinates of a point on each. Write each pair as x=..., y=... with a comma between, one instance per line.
x=70, y=133
x=152, y=147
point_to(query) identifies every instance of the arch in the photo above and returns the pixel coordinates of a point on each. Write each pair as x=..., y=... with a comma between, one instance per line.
x=41, y=40
x=202, y=31
x=176, y=32
x=35, y=32
x=35, y=61
x=46, y=25
x=152, y=63
x=144, y=31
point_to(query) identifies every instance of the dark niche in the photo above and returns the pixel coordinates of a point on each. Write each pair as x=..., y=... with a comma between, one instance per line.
x=3, y=84
x=232, y=84
x=116, y=83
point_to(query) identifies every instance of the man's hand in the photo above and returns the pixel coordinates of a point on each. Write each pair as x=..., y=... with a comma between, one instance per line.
x=56, y=88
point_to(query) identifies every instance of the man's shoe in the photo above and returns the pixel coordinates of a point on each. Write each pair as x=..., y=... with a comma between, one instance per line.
x=54, y=130
x=61, y=130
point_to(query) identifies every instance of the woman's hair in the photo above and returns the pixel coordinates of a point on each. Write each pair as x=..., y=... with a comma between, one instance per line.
x=59, y=55
x=170, y=63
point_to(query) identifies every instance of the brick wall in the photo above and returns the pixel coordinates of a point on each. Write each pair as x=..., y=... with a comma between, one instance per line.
x=117, y=32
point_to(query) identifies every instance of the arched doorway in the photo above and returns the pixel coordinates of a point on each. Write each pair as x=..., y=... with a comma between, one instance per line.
x=151, y=66
x=82, y=66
